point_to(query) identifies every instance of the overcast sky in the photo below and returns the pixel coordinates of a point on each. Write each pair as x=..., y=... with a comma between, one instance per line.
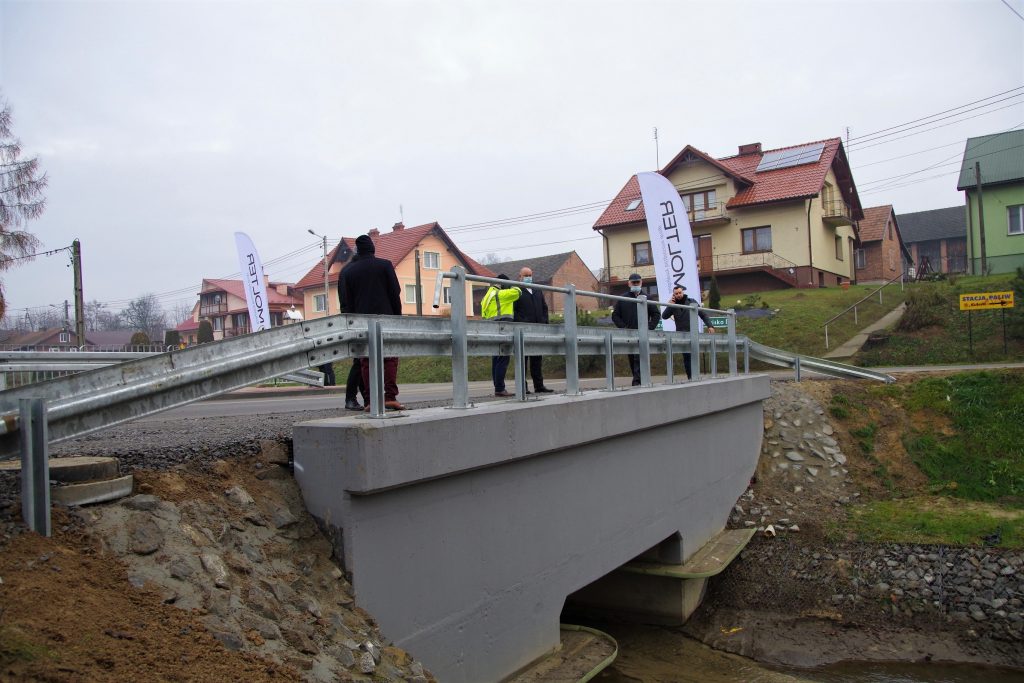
x=166, y=126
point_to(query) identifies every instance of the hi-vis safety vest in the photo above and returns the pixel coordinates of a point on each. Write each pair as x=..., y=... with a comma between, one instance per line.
x=497, y=303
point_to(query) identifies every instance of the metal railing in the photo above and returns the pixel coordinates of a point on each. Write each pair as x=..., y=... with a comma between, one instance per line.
x=836, y=208
x=853, y=306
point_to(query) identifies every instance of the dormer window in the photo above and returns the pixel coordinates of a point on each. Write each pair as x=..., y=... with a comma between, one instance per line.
x=633, y=205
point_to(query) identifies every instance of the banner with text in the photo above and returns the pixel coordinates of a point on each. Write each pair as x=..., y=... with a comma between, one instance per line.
x=252, y=280
x=675, y=261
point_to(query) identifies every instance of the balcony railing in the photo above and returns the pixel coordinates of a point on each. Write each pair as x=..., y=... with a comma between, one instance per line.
x=207, y=310
x=715, y=212
x=836, y=211
x=720, y=263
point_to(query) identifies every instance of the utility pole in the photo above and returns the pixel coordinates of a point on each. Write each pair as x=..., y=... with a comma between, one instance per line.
x=327, y=297
x=981, y=215
x=657, y=156
x=419, y=289
x=67, y=316
x=76, y=264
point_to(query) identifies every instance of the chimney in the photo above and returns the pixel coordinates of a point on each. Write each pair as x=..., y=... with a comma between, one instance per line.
x=398, y=226
x=752, y=148
x=373, y=233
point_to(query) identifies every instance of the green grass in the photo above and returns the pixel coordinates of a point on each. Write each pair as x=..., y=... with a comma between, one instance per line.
x=955, y=337
x=916, y=521
x=983, y=459
x=14, y=647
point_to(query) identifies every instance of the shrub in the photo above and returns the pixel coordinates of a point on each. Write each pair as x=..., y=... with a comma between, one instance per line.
x=1015, y=316
x=205, y=333
x=172, y=338
x=925, y=307
x=139, y=339
x=714, y=295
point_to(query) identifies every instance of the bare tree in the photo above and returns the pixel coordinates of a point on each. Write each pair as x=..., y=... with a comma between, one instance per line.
x=21, y=199
x=181, y=311
x=491, y=258
x=145, y=315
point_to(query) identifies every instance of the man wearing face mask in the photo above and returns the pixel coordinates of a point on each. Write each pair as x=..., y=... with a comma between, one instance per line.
x=531, y=307
x=624, y=316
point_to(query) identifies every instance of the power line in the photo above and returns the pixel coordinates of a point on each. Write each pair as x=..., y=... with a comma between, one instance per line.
x=1019, y=15
x=951, y=123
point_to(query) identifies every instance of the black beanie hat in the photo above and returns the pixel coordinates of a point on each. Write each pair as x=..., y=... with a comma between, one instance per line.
x=364, y=245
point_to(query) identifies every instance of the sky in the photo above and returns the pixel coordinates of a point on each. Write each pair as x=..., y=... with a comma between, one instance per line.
x=164, y=127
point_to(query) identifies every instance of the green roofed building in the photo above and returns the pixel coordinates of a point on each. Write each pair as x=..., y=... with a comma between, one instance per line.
x=999, y=204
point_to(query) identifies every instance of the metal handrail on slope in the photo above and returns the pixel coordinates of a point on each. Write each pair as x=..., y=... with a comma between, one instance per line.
x=854, y=305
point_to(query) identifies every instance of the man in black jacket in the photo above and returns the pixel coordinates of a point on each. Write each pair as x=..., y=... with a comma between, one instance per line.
x=531, y=307
x=682, y=318
x=369, y=285
x=624, y=315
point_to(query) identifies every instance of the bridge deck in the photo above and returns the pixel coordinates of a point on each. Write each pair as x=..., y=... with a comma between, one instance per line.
x=711, y=559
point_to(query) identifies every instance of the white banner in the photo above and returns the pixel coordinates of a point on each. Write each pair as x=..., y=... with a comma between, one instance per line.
x=252, y=280
x=675, y=261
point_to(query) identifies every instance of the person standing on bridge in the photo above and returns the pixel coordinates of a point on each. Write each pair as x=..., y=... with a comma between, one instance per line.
x=498, y=304
x=369, y=285
x=682, y=318
x=624, y=315
x=531, y=307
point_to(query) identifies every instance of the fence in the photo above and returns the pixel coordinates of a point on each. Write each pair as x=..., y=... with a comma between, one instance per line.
x=853, y=307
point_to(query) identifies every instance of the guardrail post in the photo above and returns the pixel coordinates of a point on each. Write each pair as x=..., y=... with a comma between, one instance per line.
x=460, y=353
x=694, y=344
x=796, y=368
x=714, y=358
x=645, y=341
x=375, y=348
x=609, y=362
x=670, y=375
x=731, y=329
x=746, y=356
x=518, y=349
x=572, y=365
x=35, y=465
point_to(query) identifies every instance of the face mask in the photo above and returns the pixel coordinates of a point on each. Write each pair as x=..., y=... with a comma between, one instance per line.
x=635, y=289
x=527, y=279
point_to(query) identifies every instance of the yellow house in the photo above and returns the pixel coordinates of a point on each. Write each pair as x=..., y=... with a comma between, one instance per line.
x=426, y=248
x=761, y=220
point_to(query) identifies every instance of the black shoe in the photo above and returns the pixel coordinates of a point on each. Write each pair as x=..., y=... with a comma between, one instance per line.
x=352, y=405
x=636, y=383
x=544, y=390
x=502, y=394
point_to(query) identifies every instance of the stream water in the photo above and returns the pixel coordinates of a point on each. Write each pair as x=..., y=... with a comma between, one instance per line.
x=649, y=654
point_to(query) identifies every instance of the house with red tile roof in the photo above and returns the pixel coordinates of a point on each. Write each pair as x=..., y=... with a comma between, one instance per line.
x=761, y=219
x=223, y=303
x=882, y=255
x=426, y=248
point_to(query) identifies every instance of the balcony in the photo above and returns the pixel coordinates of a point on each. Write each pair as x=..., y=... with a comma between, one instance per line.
x=622, y=273
x=721, y=264
x=836, y=212
x=712, y=215
x=212, y=310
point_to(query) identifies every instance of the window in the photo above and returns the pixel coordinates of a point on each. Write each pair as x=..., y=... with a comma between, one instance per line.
x=410, y=294
x=839, y=248
x=641, y=253
x=241, y=321
x=432, y=260
x=757, y=239
x=697, y=203
x=633, y=205
x=65, y=337
x=889, y=226
x=860, y=259
x=1015, y=219
x=218, y=324
x=319, y=303
x=447, y=295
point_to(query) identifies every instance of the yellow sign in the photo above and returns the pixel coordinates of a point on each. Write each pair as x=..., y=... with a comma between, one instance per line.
x=975, y=302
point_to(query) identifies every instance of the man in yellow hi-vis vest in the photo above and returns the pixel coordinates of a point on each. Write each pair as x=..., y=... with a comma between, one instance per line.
x=497, y=305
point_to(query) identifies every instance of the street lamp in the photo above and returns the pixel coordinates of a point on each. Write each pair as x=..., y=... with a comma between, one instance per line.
x=327, y=306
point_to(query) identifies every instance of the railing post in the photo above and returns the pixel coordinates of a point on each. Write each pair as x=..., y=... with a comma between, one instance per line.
x=609, y=362
x=375, y=348
x=826, y=336
x=796, y=368
x=746, y=356
x=714, y=358
x=572, y=365
x=645, y=341
x=670, y=375
x=694, y=344
x=731, y=322
x=854, y=314
x=35, y=465
x=518, y=349
x=460, y=352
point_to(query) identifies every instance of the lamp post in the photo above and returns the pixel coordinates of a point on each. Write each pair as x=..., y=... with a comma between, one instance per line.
x=327, y=305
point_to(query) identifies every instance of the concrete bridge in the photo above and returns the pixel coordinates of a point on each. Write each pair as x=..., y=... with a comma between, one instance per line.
x=465, y=530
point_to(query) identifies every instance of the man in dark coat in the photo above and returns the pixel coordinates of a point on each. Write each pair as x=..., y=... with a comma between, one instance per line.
x=682, y=318
x=624, y=315
x=531, y=307
x=369, y=285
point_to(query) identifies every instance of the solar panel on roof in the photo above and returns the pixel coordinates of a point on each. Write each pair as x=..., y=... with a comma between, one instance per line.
x=795, y=156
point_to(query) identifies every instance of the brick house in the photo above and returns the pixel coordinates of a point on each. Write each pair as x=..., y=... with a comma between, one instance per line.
x=937, y=239
x=556, y=270
x=881, y=254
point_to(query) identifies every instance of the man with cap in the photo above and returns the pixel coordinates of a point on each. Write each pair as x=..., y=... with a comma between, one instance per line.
x=624, y=315
x=369, y=285
x=682, y=318
x=531, y=307
x=498, y=304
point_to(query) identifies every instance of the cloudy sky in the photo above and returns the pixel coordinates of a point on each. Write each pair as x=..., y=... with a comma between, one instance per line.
x=166, y=126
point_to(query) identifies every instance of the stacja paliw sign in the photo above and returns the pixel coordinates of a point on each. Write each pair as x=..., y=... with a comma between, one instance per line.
x=983, y=300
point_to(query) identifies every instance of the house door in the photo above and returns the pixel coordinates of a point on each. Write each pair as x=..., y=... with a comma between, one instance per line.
x=702, y=247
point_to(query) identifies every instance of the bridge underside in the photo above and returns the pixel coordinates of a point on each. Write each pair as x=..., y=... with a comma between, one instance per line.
x=465, y=530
